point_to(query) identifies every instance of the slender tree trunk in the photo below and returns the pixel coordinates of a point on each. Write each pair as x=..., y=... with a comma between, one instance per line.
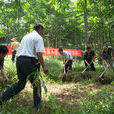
x=101, y=34
x=7, y=34
x=29, y=23
x=7, y=24
x=85, y=23
x=110, y=35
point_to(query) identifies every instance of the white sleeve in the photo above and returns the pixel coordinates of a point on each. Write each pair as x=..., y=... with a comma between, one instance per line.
x=39, y=45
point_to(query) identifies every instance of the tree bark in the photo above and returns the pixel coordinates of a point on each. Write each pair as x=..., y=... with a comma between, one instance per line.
x=101, y=24
x=85, y=23
x=7, y=33
x=110, y=35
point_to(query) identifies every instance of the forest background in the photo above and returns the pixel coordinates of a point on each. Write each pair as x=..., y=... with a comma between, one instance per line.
x=68, y=23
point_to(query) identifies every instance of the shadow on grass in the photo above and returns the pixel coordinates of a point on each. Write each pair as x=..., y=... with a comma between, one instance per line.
x=23, y=104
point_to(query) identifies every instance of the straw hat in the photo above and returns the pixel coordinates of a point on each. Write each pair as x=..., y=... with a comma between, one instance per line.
x=13, y=39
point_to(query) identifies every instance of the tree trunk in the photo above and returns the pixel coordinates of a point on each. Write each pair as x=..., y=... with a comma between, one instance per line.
x=101, y=34
x=85, y=23
x=7, y=34
x=110, y=35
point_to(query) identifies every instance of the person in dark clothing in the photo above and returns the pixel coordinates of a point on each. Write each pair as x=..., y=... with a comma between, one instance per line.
x=88, y=58
x=107, y=56
x=3, y=53
x=38, y=65
x=106, y=53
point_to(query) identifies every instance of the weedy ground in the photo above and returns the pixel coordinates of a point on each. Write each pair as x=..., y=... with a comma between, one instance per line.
x=75, y=96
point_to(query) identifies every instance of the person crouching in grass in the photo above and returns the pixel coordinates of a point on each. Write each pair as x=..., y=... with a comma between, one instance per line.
x=3, y=53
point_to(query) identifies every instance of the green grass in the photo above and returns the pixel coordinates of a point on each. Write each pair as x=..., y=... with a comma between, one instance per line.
x=76, y=96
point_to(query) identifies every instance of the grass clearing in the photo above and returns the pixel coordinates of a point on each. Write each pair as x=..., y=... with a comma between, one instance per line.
x=76, y=96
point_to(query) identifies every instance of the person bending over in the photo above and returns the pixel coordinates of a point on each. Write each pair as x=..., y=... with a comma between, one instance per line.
x=67, y=59
x=89, y=56
x=3, y=53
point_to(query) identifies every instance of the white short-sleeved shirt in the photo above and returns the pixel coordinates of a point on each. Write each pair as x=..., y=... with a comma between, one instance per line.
x=67, y=55
x=30, y=45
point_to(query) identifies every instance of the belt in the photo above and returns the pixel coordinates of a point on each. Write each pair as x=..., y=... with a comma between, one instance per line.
x=26, y=57
x=34, y=60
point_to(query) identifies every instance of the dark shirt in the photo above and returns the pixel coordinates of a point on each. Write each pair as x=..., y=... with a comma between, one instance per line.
x=89, y=56
x=1, y=63
x=106, y=55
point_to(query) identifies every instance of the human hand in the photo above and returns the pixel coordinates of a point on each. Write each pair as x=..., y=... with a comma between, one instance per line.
x=64, y=64
x=45, y=69
x=88, y=64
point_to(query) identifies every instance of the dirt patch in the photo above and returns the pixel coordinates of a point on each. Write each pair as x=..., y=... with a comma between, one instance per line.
x=69, y=94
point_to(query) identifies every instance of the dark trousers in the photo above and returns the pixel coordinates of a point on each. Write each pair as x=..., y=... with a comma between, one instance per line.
x=38, y=66
x=91, y=64
x=26, y=70
x=68, y=66
x=13, y=55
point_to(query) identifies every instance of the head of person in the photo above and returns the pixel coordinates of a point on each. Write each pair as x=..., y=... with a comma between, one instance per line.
x=3, y=51
x=88, y=49
x=60, y=50
x=39, y=28
x=105, y=48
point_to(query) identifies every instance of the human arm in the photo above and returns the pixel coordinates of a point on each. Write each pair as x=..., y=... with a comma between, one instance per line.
x=67, y=57
x=4, y=74
x=63, y=60
x=86, y=62
x=40, y=58
x=106, y=64
x=85, y=58
x=39, y=48
x=66, y=61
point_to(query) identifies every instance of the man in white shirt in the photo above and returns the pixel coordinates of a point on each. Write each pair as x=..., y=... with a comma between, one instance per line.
x=30, y=49
x=67, y=59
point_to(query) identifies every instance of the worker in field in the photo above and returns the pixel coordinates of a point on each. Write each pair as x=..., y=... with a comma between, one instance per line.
x=89, y=56
x=67, y=59
x=14, y=45
x=3, y=53
x=30, y=50
x=107, y=56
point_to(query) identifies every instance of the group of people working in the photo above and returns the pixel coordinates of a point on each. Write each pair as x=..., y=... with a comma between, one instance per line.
x=28, y=55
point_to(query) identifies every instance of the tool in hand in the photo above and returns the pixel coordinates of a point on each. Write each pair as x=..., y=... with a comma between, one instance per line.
x=64, y=75
x=86, y=68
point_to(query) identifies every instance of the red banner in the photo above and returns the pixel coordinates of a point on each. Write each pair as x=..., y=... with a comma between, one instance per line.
x=53, y=51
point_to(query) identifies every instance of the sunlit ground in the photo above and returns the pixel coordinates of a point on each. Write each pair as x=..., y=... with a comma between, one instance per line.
x=62, y=97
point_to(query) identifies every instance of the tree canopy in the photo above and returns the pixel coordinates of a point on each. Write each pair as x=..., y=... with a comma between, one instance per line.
x=68, y=23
